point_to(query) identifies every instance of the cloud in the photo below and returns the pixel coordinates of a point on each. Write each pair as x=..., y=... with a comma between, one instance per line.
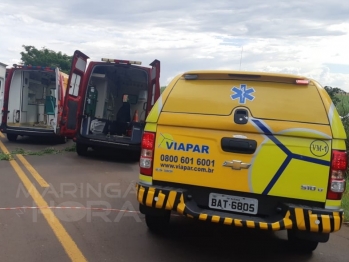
x=281, y=36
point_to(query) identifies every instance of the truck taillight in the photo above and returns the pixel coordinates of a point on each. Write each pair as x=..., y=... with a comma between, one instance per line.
x=336, y=185
x=147, y=153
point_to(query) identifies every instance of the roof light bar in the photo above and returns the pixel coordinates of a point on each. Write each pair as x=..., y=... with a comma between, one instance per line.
x=110, y=60
x=46, y=68
x=302, y=82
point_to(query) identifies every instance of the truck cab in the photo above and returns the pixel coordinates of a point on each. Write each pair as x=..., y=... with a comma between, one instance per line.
x=33, y=101
x=108, y=101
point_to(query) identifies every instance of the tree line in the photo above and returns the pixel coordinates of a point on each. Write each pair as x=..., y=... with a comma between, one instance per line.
x=47, y=57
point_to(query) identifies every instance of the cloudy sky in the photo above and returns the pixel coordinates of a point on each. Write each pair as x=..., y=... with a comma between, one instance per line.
x=309, y=38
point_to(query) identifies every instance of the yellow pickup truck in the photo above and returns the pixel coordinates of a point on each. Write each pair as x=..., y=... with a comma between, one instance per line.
x=246, y=149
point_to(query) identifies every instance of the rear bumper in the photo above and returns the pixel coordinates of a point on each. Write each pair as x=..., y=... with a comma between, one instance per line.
x=294, y=217
x=27, y=131
x=106, y=144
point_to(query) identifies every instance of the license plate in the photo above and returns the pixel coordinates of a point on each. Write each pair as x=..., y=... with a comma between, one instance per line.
x=233, y=203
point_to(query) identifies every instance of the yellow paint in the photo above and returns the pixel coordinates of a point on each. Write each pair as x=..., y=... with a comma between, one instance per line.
x=263, y=225
x=338, y=144
x=170, y=200
x=32, y=171
x=215, y=219
x=141, y=194
x=150, y=127
x=62, y=235
x=237, y=222
x=297, y=172
x=146, y=179
x=261, y=162
x=154, y=113
x=276, y=226
x=228, y=221
x=326, y=225
x=227, y=179
x=181, y=205
x=337, y=221
x=161, y=199
x=150, y=196
x=335, y=121
x=313, y=226
x=287, y=221
x=324, y=95
x=302, y=130
x=2, y=135
x=225, y=123
x=3, y=148
x=300, y=219
x=337, y=126
x=302, y=173
x=203, y=217
x=250, y=224
x=217, y=94
x=331, y=204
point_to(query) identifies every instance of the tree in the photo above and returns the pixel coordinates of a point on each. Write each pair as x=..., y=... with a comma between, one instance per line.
x=333, y=92
x=162, y=89
x=45, y=57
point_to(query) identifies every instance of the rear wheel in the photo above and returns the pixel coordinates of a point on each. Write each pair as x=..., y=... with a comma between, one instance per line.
x=81, y=149
x=158, y=223
x=12, y=137
x=302, y=245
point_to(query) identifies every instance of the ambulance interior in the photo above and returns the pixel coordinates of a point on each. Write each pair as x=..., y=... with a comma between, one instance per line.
x=115, y=104
x=32, y=99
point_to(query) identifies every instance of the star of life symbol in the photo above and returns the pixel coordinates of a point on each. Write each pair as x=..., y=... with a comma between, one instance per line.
x=243, y=93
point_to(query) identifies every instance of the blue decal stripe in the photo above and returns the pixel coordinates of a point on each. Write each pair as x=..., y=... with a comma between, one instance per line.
x=277, y=175
x=262, y=127
x=271, y=137
x=289, y=154
x=280, y=145
x=311, y=160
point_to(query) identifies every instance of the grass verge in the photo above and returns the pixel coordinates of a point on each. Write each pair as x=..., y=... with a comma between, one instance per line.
x=45, y=151
x=345, y=203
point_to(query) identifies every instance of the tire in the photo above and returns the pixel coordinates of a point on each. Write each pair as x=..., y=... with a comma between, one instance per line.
x=302, y=245
x=81, y=149
x=158, y=223
x=12, y=137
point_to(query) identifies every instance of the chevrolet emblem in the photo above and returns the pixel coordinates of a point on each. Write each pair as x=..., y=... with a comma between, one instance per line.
x=236, y=165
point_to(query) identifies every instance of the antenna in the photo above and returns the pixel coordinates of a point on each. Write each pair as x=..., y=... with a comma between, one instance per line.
x=242, y=49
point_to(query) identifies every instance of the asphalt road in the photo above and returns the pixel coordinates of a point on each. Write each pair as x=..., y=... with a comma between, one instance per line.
x=99, y=186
